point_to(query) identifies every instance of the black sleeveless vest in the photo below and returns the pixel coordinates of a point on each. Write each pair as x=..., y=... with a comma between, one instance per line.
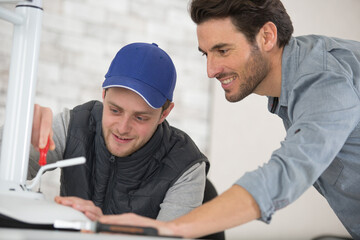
x=137, y=183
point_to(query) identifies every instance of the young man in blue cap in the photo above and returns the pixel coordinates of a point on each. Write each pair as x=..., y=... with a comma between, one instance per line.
x=135, y=161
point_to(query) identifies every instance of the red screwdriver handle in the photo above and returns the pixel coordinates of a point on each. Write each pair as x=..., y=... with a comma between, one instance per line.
x=43, y=152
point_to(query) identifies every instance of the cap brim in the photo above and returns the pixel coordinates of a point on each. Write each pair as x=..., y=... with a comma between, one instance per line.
x=150, y=95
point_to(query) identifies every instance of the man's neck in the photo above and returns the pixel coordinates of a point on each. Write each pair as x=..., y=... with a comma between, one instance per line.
x=271, y=85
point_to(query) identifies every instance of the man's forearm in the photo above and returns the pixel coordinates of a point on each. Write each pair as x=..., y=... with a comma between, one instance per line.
x=234, y=207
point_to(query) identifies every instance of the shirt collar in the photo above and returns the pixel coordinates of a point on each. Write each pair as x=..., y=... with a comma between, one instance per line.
x=288, y=70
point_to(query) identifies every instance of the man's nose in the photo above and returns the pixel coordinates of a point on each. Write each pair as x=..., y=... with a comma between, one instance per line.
x=124, y=125
x=213, y=67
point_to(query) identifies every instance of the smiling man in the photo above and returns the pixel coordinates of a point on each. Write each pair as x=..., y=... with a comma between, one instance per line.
x=135, y=161
x=312, y=83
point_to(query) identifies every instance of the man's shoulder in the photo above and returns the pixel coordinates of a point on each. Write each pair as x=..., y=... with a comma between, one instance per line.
x=180, y=144
x=86, y=114
x=88, y=106
x=177, y=136
x=174, y=131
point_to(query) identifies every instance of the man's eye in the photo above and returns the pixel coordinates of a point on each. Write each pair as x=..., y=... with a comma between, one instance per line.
x=113, y=110
x=204, y=54
x=223, y=51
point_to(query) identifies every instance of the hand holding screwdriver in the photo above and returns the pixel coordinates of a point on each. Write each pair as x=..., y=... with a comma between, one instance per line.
x=42, y=128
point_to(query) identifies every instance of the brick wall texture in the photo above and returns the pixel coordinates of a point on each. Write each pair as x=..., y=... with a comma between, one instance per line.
x=81, y=37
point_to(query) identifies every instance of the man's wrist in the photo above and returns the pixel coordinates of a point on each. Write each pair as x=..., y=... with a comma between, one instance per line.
x=172, y=229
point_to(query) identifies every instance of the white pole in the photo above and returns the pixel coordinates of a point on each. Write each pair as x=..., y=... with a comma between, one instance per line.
x=10, y=16
x=21, y=91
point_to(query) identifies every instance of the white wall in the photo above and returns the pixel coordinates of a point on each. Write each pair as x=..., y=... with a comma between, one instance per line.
x=81, y=37
x=244, y=134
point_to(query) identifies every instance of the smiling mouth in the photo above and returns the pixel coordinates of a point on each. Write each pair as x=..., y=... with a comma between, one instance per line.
x=121, y=138
x=228, y=80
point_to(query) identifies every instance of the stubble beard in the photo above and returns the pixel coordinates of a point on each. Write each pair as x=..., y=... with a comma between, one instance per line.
x=255, y=71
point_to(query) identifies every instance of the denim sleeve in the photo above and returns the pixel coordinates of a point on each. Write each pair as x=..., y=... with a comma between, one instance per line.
x=323, y=109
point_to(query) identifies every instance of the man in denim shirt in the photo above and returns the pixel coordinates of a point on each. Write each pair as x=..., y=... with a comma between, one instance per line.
x=313, y=84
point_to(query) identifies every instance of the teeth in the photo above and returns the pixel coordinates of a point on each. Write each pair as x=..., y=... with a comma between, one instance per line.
x=227, y=81
x=121, y=138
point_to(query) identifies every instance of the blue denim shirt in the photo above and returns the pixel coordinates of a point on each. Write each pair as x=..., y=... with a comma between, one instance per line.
x=320, y=108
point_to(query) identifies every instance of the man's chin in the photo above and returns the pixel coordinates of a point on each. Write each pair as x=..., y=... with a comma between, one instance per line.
x=235, y=98
x=119, y=153
x=232, y=99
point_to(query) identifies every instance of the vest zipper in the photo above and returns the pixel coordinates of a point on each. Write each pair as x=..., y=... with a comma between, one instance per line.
x=110, y=186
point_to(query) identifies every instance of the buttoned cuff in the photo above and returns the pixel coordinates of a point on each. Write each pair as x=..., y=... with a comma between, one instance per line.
x=254, y=183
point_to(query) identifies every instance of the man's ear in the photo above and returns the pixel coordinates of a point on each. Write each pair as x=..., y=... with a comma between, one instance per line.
x=268, y=36
x=166, y=112
x=103, y=94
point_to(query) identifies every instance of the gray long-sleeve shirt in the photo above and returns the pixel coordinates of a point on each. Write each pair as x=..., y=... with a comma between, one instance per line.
x=186, y=193
x=320, y=108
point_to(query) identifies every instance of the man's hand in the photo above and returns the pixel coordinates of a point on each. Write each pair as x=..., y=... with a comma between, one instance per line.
x=234, y=207
x=85, y=206
x=42, y=128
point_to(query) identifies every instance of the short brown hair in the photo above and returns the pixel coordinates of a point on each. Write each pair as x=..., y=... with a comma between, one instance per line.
x=249, y=16
x=166, y=105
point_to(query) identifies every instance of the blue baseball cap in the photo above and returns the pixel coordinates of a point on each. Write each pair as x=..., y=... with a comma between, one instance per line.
x=145, y=69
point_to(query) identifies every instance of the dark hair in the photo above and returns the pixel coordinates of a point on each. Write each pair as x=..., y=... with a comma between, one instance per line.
x=166, y=105
x=247, y=15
